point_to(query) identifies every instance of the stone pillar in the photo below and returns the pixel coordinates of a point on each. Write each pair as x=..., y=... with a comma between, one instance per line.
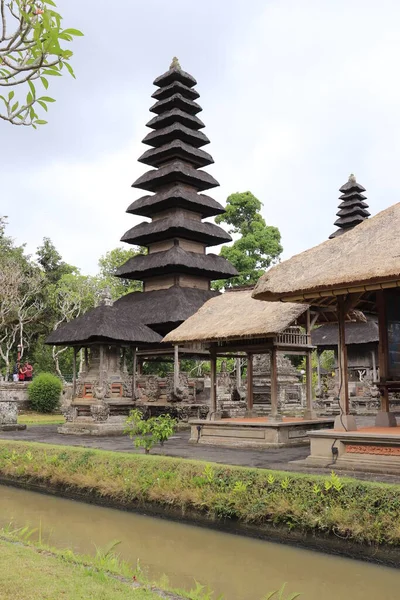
x=344, y=421
x=249, y=394
x=213, y=390
x=275, y=415
x=384, y=417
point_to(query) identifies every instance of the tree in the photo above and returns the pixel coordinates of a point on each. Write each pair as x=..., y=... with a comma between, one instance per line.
x=258, y=246
x=109, y=263
x=70, y=298
x=51, y=262
x=30, y=49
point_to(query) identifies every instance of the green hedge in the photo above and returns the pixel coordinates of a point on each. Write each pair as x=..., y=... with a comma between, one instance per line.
x=357, y=510
x=44, y=392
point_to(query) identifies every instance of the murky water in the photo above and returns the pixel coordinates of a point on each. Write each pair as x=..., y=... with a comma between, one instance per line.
x=240, y=568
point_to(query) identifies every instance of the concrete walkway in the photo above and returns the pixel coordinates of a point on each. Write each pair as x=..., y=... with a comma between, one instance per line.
x=178, y=446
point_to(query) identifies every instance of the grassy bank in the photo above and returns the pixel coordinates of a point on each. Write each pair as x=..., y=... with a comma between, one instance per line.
x=33, y=418
x=354, y=510
x=29, y=572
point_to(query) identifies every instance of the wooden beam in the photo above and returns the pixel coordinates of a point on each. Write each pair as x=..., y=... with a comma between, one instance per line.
x=249, y=395
x=76, y=350
x=134, y=369
x=274, y=385
x=176, y=368
x=382, y=348
x=213, y=390
x=342, y=356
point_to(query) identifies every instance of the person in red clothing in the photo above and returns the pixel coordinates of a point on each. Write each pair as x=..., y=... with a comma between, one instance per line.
x=28, y=371
x=22, y=373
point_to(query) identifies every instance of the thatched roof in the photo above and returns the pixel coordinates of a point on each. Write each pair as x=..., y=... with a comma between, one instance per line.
x=178, y=196
x=236, y=315
x=176, y=150
x=175, y=172
x=175, y=115
x=176, y=131
x=363, y=258
x=327, y=336
x=177, y=225
x=163, y=310
x=105, y=323
x=176, y=260
x=175, y=88
x=176, y=101
x=175, y=73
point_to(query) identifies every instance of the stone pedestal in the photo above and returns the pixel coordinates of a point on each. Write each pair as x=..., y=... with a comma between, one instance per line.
x=9, y=416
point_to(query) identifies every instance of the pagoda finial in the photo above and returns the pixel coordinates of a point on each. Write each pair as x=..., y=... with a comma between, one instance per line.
x=175, y=63
x=105, y=297
x=352, y=178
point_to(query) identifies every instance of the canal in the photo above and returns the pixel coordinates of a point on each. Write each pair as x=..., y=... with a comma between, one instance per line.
x=238, y=567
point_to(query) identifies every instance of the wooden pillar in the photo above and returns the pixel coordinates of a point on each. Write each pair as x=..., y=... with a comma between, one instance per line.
x=76, y=350
x=309, y=413
x=343, y=421
x=238, y=373
x=249, y=394
x=319, y=381
x=86, y=359
x=275, y=416
x=134, y=369
x=101, y=366
x=374, y=373
x=213, y=390
x=176, y=368
x=384, y=418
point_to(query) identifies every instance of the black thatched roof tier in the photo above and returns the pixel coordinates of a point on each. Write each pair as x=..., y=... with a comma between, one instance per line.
x=177, y=131
x=174, y=226
x=108, y=324
x=175, y=74
x=327, y=336
x=164, y=310
x=175, y=88
x=352, y=209
x=176, y=101
x=155, y=157
x=175, y=116
x=178, y=196
x=176, y=260
x=175, y=172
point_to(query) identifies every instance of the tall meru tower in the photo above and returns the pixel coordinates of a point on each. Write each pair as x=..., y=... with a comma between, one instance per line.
x=176, y=271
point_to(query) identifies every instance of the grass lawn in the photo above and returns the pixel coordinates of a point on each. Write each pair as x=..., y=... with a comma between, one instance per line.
x=33, y=418
x=29, y=574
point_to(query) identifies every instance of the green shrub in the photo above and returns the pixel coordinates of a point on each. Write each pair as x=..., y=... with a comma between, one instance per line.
x=44, y=392
x=149, y=432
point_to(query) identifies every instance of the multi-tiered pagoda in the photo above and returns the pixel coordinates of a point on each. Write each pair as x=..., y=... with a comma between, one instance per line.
x=352, y=209
x=176, y=271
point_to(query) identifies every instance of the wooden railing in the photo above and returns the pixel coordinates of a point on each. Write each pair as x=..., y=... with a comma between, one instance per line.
x=293, y=336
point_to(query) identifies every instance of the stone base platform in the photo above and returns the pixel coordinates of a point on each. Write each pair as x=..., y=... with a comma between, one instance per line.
x=90, y=428
x=370, y=449
x=12, y=427
x=258, y=432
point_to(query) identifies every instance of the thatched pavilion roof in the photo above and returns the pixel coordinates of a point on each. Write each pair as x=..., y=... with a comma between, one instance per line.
x=236, y=315
x=113, y=324
x=362, y=259
x=327, y=336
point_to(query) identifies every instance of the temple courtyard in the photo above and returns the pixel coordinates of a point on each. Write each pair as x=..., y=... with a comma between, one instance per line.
x=283, y=459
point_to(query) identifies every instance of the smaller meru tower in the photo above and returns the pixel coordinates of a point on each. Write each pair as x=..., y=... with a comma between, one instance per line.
x=176, y=271
x=352, y=209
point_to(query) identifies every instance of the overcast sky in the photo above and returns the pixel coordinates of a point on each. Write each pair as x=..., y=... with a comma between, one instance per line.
x=296, y=95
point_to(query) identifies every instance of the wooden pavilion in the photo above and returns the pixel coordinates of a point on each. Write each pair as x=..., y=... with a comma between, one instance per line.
x=360, y=269
x=234, y=325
